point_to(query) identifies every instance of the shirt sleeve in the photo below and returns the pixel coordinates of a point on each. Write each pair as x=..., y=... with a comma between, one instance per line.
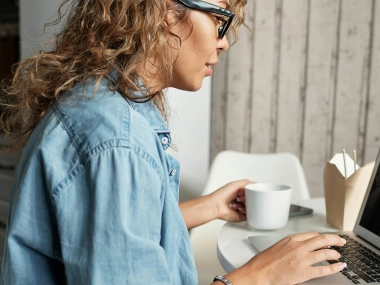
x=109, y=218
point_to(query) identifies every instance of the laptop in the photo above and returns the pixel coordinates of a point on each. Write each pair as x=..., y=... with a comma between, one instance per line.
x=362, y=251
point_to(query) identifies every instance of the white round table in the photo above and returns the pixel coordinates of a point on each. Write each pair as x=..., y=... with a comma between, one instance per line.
x=234, y=248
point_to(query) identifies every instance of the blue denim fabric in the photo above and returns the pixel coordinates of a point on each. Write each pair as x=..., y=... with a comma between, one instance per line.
x=95, y=198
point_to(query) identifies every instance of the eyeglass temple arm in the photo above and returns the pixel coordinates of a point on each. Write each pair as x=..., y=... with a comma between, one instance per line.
x=201, y=5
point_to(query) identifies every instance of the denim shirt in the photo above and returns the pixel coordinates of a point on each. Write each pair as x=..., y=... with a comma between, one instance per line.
x=95, y=198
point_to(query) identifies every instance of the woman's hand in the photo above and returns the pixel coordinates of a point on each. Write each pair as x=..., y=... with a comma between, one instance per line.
x=226, y=203
x=291, y=260
x=229, y=201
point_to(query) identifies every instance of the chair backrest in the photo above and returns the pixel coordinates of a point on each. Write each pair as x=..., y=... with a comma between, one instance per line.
x=283, y=168
x=227, y=166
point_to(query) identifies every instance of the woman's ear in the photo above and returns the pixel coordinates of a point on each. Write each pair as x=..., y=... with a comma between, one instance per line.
x=170, y=16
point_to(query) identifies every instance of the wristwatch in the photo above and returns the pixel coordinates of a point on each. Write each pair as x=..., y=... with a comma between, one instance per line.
x=222, y=279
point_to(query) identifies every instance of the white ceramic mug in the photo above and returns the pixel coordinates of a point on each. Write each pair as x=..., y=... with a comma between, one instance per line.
x=267, y=205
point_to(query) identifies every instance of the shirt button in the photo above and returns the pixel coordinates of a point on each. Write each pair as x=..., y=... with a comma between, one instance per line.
x=173, y=172
x=164, y=140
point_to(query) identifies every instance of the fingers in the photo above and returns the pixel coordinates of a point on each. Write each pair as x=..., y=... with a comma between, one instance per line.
x=315, y=241
x=233, y=192
x=238, y=203
x=323, y=241
x=229, y=201
x=294, y=257
x=240, y=199
x=318, y=245
x=236, y=214
x=238, y=207
x=324, y=270
x=241, y=193
x=324, y=254
x=243, y=211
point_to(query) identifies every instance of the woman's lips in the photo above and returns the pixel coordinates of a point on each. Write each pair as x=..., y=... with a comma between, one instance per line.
x=210, y=69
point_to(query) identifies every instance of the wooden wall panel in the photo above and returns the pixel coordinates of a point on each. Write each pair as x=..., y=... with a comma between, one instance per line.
x=263, y=77
x=372, y=132
x=239, y=74
x=291, y=76
x=320, y=79
x=352, y=73
x=308, y=84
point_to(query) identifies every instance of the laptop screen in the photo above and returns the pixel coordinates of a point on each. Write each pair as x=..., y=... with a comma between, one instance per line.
x=368, y=223
x=371, y=214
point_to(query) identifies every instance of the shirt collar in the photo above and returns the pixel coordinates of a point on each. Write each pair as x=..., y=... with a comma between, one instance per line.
x=150, y=112
x=147, y=109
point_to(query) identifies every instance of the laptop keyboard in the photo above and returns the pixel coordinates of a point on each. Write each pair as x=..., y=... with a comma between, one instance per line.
x=363, y=265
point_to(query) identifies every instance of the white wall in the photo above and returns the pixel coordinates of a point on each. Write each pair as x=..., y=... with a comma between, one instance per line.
x=190, y=112
x=190, y=125
x=33, y=15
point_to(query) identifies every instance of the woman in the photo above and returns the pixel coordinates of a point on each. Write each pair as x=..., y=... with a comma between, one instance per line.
x=95, y=197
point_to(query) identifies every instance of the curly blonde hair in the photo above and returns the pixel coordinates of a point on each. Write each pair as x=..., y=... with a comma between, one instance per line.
x=98, y=36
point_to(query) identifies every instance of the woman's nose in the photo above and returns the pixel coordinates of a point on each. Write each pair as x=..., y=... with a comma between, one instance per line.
x=223, y=44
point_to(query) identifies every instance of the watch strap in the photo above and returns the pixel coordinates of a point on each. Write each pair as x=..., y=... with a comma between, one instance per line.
x=222, y=279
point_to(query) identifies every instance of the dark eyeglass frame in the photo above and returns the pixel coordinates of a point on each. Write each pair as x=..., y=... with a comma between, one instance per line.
x=211, y=8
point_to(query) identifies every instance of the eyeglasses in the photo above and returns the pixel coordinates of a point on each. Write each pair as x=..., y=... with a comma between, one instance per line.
x=211, y=8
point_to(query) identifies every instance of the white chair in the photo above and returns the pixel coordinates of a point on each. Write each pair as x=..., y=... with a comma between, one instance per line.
x=282, y=168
